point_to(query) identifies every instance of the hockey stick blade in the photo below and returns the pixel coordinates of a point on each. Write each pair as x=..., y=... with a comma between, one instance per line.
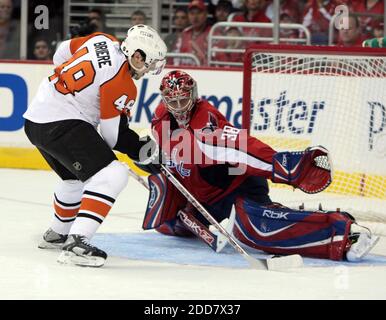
x=222, y=241
x=138, y=178
x=285, y=262
x=258, y=264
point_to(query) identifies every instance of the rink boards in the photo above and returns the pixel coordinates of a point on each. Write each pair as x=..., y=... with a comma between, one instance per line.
x=20, y=81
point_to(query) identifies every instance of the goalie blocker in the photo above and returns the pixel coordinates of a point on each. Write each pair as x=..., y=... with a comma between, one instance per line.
x=271, y=228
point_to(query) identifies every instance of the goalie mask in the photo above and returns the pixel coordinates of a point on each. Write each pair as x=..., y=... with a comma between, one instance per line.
x=179, y=93
x=152, y=48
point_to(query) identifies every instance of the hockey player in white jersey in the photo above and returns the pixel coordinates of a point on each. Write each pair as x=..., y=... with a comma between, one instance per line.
x=92, y=85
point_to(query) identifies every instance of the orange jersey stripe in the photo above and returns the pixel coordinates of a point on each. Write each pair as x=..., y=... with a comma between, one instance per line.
x=96, y=206
x=76, y=43
x=119, y=88
x=65, y=213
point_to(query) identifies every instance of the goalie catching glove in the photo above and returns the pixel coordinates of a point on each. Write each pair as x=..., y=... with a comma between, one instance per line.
x=309, y=170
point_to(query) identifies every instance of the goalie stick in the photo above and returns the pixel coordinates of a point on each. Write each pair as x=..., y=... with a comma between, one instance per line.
x=138, y=178
x=215, y=241
x=274, y=263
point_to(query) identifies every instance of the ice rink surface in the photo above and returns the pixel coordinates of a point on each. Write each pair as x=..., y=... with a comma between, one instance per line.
x=146, y=265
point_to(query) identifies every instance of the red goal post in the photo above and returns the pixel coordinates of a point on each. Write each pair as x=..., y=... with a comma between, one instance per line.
x=297, y=96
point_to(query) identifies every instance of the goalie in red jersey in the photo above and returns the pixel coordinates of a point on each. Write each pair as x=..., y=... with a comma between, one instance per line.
x=223, y=167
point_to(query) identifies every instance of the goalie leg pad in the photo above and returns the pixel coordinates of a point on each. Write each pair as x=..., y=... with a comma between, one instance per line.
x=163, y=204
x=280, y=230
x=174, y=228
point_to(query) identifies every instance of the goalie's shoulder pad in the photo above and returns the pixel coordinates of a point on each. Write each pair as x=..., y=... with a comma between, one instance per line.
x=160, y=113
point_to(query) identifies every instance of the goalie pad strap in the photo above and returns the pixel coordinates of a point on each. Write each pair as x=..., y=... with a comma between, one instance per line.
x=280, y=230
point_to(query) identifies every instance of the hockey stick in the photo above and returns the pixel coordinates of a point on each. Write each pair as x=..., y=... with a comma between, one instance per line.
x=278, y=263
x=215, y=241
x=138, y=178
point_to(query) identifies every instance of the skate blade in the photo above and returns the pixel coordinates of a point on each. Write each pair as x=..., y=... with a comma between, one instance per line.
x=48, y=245
x=373, y=242
x=67, y=257
x=285, y=262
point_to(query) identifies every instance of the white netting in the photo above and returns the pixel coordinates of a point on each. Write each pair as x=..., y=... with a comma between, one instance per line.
x=337, y=101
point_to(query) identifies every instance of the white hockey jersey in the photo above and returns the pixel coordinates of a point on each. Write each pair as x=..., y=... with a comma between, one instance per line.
x=91, y=82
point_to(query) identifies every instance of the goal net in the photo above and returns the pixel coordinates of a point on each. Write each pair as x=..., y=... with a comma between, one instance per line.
x=295, y=97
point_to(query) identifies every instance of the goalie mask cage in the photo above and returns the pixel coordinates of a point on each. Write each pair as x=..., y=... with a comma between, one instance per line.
x=295, y=97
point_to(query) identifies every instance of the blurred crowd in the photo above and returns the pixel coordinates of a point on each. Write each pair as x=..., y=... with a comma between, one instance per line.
x=193, y=20
x=364, y=20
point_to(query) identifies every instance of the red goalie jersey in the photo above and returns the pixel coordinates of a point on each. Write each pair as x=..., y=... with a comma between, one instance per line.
x=210, y=156
x=222, y=166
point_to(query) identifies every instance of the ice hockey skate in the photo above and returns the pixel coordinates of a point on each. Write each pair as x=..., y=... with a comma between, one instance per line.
x=361, y=246
x=77, y=250
x=52, y=240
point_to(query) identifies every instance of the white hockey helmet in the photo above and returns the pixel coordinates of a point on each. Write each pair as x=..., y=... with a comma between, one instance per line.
x=146, y=40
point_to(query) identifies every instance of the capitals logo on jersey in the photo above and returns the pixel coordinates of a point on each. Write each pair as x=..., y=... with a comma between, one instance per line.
x=179, y=167
x=211, y=125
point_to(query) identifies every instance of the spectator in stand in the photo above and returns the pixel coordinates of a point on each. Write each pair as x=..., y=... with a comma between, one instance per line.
x=375, y=43
x=180, y=21
x=210, y=6
x=237, y=4
x=138, y=17
x=42, y=50
x=351, y=37
x=378, y=27
x=317, y=16
x=288, y=7
x=95, y=22
x=9, y=32
x=288, y=33
x=223, y=9
x=254, y=11
x=194, y=39
x=97, y=17
x=289, y=13
x=221, y=14
x=372, y=7
x=230, y=44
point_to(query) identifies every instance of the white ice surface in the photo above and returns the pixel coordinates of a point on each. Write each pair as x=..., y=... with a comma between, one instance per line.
x=27, y=272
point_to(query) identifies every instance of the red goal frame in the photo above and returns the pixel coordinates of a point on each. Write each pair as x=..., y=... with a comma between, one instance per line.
x=247, y=70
